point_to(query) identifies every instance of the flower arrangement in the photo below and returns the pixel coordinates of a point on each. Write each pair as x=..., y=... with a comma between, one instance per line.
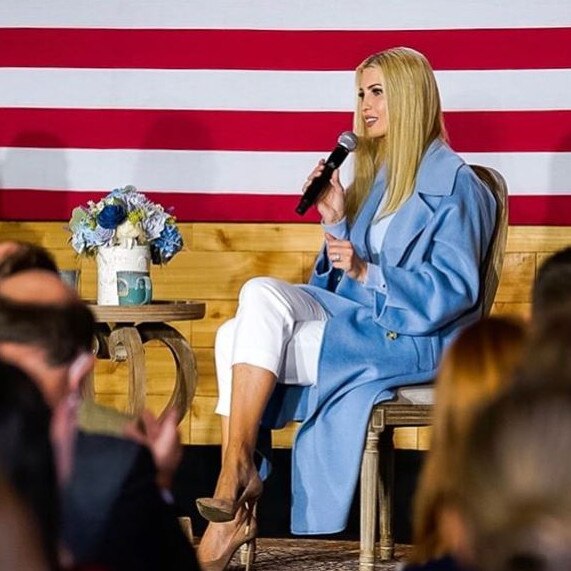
x=125, y=217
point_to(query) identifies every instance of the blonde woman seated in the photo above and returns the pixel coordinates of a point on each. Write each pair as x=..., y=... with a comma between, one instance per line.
x=476, y=367
x=397, y=278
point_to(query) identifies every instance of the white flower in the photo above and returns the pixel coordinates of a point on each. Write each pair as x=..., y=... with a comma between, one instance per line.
x=128, y=230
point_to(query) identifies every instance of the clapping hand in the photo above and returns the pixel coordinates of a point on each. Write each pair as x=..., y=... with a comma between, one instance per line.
x=163, y=440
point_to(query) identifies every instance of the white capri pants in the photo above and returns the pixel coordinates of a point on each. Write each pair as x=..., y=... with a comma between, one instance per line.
x=278, y=327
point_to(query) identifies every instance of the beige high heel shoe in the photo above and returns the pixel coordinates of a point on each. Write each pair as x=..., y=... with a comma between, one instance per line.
x=220, y=510
x=244, y=540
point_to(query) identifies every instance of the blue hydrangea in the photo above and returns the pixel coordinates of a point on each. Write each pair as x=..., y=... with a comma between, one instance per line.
x=153, y=225
x=132, y=199
x=111, y=216
x=166, y=245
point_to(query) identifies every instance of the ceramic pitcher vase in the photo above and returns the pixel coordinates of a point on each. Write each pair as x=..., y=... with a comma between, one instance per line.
x=113, y=259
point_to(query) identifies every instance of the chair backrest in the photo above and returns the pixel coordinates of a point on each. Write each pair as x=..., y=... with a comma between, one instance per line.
x=490, y=272
x=493, y=262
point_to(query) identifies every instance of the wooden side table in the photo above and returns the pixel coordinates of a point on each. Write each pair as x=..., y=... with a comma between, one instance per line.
x=122, y=331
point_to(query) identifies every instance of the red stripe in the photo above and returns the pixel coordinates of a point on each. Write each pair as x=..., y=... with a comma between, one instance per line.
x=477, y=131
x=525, y=48
x=15, y=204
x=552, y=210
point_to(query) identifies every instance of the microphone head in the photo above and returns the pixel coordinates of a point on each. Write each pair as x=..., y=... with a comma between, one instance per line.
x=348, y=140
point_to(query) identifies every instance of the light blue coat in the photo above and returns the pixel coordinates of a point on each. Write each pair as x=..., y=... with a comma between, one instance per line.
x=427, y=286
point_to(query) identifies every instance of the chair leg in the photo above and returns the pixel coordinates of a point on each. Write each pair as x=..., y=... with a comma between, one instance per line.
x=385, y=496
x=369, y=492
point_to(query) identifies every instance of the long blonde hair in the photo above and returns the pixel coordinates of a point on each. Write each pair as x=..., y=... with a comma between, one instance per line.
x=414, y=121
x=474, y=369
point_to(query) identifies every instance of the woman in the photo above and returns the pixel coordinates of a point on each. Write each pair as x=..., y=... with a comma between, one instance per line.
x=397, y=276
x=474, y=369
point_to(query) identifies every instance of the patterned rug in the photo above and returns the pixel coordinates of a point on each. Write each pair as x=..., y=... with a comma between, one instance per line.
x=314, y=555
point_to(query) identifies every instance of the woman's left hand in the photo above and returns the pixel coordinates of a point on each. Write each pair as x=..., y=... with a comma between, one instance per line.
x=342, y=256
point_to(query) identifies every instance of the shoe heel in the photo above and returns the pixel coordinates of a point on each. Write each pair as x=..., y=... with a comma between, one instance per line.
x=248, y=554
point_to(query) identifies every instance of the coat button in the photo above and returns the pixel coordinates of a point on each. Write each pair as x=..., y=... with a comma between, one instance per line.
x=392, y=335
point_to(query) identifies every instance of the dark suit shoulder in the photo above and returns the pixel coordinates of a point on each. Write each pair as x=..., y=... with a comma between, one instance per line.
x=102, y=467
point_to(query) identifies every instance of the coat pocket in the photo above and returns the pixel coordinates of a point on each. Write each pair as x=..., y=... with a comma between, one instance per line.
x=425, y=348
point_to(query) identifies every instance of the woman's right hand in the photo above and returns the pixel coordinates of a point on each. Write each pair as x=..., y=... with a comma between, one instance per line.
x=331, y=203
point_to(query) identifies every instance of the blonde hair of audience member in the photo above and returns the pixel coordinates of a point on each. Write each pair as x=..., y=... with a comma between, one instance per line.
x=474, y=369
x=407, y=73
x=515, y=499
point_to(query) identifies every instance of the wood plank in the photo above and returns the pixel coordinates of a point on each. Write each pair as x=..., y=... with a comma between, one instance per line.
x=254, y=237
x=220, y=275
x=518, y=310
x=204, y=424
x=538, y=238
x=217, y=312
x=406, y=438
x=517, y=278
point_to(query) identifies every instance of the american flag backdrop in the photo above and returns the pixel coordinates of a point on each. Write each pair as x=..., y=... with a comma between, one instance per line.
x=221, y=108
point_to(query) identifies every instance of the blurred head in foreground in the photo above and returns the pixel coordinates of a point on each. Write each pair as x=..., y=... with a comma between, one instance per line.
x=474, y=369
x=514, y=500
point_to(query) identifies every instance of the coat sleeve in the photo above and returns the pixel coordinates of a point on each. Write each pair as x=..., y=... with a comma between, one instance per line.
x=324, y=275
x=438, y=278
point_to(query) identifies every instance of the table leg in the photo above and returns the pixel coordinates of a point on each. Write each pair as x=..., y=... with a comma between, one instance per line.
x=183, y=355
x=125, y=344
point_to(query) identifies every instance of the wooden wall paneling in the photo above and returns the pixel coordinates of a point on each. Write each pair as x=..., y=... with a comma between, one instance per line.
x=217, y=259
x=535, y=239
x=205, y=425
x=517, y=278
x=217, y=312
x=521, y=310
x=255, y=237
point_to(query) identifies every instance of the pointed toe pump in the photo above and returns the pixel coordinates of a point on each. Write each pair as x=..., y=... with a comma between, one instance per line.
x=222, y=510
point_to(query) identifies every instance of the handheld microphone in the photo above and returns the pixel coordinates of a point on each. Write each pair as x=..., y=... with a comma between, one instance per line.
x=346, y=143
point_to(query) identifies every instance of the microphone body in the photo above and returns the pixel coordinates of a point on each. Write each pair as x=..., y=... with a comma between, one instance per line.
x=346, y=143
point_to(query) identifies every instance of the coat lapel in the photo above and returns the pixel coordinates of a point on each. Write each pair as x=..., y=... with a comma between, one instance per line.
x=408, y=222
x=435, y=179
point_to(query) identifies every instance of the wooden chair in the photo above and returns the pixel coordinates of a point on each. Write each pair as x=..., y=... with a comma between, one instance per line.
x=413, y=405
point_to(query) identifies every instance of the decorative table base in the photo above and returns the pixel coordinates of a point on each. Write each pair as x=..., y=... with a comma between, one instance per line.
x=122, y=332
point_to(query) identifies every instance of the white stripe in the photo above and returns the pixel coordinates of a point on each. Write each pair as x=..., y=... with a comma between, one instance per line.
x=266, y=90
x=294, y=14
x=233, y=172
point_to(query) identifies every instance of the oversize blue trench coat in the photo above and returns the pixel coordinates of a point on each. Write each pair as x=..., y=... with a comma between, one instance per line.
x=426, y=287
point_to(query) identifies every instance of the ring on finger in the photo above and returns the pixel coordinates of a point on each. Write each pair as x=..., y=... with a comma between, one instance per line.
x=337, y=257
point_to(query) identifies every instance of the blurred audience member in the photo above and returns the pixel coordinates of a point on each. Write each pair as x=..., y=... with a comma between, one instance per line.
x=552, y=285
x=548, y=355
x=514, y=501
x=477, y=365
x=26, y=459
x=18, y=256
x=21, y=545
x=113, y=513
x=162, y=437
